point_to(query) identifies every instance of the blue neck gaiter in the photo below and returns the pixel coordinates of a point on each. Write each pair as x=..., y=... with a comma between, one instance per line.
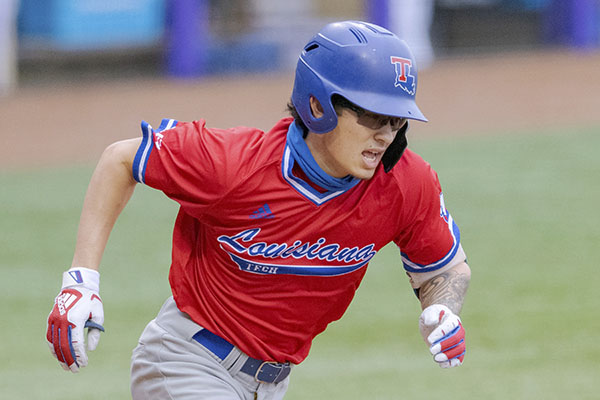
x=300, y=153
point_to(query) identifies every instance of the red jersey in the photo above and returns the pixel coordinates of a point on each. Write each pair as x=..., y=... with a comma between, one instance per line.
x=262, y=258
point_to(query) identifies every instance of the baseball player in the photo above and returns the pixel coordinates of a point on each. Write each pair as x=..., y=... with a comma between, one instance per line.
x=275, y=229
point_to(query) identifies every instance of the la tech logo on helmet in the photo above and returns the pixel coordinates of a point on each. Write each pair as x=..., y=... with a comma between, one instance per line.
x=404, y=79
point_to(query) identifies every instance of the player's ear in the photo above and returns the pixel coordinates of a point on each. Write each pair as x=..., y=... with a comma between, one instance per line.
x=316, y=108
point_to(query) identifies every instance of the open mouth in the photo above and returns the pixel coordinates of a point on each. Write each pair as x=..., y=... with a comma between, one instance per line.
x=371, y=158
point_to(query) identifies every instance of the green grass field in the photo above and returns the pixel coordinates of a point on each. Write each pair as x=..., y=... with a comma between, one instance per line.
x=527, y=208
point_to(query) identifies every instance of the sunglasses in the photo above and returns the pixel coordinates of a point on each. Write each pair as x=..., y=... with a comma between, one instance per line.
x=372, y=120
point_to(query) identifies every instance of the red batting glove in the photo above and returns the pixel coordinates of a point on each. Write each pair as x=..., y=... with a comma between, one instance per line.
x=444, y=333
x=76, y=307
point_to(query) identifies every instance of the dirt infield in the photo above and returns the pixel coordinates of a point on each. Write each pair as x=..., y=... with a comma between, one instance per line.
x=67, y=124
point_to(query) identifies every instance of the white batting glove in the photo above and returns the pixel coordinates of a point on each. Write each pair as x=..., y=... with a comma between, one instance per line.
x=444, y=333
x=77, y=306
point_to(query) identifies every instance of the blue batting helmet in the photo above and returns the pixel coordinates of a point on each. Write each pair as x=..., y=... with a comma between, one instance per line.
x=363, y=62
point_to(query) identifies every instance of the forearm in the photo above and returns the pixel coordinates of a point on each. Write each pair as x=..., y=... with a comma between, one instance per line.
x=448, y=288
x=110, y=188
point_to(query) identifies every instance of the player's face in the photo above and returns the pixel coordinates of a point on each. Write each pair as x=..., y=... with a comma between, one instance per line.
x=356, y=145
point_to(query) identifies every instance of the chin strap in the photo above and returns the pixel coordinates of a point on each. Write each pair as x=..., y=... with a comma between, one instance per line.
x=394, y=152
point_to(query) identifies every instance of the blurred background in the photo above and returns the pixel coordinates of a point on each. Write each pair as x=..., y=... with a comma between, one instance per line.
x=115, y=62
x=78, y=39
x=511, y=89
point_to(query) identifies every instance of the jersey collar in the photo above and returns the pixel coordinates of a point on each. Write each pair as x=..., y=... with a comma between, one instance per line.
x=296, y=151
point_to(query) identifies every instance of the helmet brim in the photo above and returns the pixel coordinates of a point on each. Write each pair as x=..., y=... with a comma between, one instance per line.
x=384, y=104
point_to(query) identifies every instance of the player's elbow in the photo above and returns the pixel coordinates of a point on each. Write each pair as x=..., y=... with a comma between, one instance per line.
x=121, y=153
x=463, y=269
x=119, y=157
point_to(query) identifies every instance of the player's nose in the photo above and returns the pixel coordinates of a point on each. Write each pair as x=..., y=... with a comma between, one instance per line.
x=385, y=135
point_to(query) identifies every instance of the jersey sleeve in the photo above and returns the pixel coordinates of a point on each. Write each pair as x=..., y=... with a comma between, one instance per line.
x=430, y=240
x=187, y=162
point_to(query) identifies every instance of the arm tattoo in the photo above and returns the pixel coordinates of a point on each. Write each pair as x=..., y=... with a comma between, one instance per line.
x=448, y=289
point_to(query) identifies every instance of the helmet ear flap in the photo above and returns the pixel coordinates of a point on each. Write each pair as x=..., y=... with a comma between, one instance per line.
x=308, y=84
x=395, y=150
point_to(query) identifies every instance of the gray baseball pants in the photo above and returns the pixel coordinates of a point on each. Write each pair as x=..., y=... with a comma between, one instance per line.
x=169, y=364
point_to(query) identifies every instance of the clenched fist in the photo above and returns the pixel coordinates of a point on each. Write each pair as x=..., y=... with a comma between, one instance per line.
x=442, y=330
x=77, y=306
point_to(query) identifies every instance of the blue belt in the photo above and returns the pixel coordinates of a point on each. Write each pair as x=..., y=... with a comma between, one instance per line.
x=262, y=371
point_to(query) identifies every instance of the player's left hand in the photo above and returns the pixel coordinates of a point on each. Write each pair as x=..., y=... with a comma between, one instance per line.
x=444, y=333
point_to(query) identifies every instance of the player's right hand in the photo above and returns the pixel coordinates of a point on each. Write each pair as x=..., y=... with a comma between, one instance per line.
x=77, y=306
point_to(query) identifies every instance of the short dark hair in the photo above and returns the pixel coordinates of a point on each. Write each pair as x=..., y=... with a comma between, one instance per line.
x=338, y=102
x=291, y=108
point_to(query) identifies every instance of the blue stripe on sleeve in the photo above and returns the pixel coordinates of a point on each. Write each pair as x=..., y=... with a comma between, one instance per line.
x=415, y=267
x=167, y=124
x=141, y=157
